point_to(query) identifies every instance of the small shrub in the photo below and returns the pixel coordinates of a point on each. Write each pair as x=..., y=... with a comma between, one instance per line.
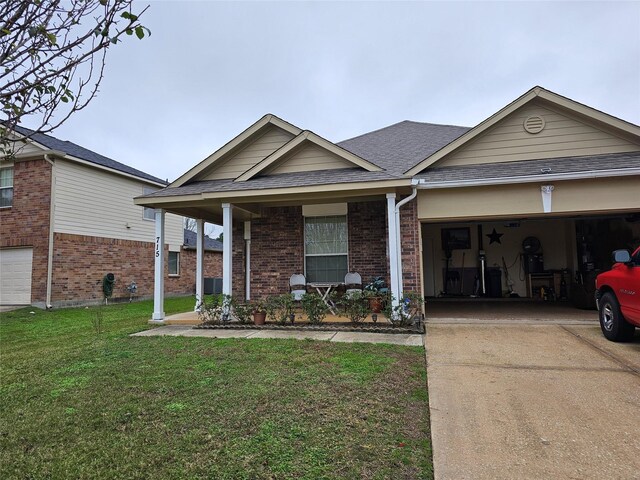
x=407, y=312
x=356, y=306
x=314, y=308
x=280, y=308
x=212, y=309
x=98, y=320
x=241, y=312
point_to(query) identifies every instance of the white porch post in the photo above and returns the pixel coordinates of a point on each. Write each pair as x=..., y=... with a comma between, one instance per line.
x=227, y=235
x=199, y=263
x=393, y=247
x=158, y=286
x=247, y=240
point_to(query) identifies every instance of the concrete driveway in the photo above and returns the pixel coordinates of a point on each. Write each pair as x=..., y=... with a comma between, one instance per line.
x=532, y=401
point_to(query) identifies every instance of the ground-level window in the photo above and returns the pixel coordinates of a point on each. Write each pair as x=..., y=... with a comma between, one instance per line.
x=6, y=187
x=149, y=213
x=174, y=263
x=325, y=246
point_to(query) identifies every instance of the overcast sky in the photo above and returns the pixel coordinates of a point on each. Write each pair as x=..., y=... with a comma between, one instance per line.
x=211, y=69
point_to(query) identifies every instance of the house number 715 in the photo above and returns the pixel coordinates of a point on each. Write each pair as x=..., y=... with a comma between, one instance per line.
x=157, y=246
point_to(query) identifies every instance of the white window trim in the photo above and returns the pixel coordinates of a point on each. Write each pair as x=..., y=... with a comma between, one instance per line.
x=9, y=167
x=178, y=264
x=304, y=243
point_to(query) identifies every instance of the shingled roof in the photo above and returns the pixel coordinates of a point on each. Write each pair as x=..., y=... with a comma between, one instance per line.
x=190, y=241
x=398, y=147
x=528, y=168
x=82, y=153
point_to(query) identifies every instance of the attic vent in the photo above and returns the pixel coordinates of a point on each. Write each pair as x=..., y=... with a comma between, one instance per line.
x=534, y=124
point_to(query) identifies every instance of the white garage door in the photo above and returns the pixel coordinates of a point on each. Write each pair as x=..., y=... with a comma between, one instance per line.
x=15, y=276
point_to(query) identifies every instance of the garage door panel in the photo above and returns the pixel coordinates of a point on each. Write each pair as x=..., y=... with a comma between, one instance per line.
x=15, y=276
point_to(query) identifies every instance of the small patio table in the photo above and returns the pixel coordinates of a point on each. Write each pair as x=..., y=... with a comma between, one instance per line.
x=324, y=289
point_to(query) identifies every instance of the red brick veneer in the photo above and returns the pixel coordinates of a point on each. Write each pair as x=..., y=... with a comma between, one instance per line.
x=277, y=247
x=26, y=223
x=81, y=262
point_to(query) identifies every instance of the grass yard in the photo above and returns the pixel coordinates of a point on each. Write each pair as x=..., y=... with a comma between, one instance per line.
x=78, y=404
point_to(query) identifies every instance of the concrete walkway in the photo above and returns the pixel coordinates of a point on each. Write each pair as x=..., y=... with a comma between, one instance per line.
x=532, y=401
x=330, y=336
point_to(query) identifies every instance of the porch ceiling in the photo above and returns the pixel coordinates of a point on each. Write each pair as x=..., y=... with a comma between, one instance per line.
x=247, y=208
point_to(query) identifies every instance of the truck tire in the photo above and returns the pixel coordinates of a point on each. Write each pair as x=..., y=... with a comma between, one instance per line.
x=613, y=325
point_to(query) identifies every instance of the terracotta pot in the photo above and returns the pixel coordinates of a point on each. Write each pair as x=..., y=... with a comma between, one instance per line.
x=259, y=318
x=375, y=304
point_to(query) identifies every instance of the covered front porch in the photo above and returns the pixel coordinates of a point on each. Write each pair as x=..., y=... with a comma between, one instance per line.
x=322, y=236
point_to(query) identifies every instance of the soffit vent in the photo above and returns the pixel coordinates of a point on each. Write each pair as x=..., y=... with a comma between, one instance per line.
x=534, y=124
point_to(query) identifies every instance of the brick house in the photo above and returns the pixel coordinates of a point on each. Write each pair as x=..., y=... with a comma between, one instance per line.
x=67, y=219
x=435, y=209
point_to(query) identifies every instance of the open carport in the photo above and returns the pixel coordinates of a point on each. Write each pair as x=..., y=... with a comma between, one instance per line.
x=531, y=401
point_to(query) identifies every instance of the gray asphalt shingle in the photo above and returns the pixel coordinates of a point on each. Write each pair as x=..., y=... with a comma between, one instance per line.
x=190, y=241
x=532, y=167
x=399, y=147
x=80, y=152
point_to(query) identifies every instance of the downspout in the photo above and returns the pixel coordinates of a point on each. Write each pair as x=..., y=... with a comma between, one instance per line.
x=247, y=268
x=399, y=205
x=47, y=302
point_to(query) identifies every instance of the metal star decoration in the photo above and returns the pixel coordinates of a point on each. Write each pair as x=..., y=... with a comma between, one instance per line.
x=494, y=237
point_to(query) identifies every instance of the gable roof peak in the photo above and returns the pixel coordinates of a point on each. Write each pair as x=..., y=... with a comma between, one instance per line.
x=552, y=98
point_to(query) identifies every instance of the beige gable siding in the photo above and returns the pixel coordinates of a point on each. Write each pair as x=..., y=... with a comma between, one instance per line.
x=92, y=202
x=25, y=148
x=307, y=159
x=563, y=136
x=249, y=156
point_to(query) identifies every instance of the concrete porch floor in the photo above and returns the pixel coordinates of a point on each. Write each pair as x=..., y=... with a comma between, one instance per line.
x=192, y=318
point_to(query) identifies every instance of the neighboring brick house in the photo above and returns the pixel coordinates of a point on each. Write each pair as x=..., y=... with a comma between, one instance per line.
x=420, y=203
x=67, y=218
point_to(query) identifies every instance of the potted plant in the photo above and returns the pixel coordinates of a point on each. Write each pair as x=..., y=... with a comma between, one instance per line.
x=259, y=310
x=375, y=292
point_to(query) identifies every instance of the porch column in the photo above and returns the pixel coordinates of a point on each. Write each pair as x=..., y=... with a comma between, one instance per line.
x=227, y=236
x=199, y=263
x=393, y=247
x=158, y=286
x=247, y=254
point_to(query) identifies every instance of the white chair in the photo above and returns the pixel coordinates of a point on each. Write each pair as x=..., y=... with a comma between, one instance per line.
x=298, y=286
x=353, y=283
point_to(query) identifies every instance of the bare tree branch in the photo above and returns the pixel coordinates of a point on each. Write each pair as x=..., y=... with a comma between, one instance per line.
x=52, y=58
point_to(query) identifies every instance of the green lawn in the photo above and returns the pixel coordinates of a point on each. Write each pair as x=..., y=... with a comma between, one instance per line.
x=77, y=404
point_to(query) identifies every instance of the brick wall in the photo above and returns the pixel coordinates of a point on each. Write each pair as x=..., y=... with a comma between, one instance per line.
x=410, y=240
x=277, y=247
x=367, y=226
x=26, y=223
x=277, y=251
x=80, y=263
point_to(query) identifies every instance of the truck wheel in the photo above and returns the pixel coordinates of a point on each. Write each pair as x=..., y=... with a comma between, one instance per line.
x=613, y=325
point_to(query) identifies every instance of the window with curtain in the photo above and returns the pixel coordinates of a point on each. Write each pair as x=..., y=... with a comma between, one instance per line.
x=326, y=242
x=6, y=187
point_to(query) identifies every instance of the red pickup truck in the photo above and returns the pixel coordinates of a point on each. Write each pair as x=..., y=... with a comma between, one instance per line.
x=618, y=297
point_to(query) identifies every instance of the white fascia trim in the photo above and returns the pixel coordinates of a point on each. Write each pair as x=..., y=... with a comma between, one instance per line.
x=550, y=177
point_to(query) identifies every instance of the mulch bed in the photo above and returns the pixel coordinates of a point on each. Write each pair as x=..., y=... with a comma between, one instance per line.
x=339, y=327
